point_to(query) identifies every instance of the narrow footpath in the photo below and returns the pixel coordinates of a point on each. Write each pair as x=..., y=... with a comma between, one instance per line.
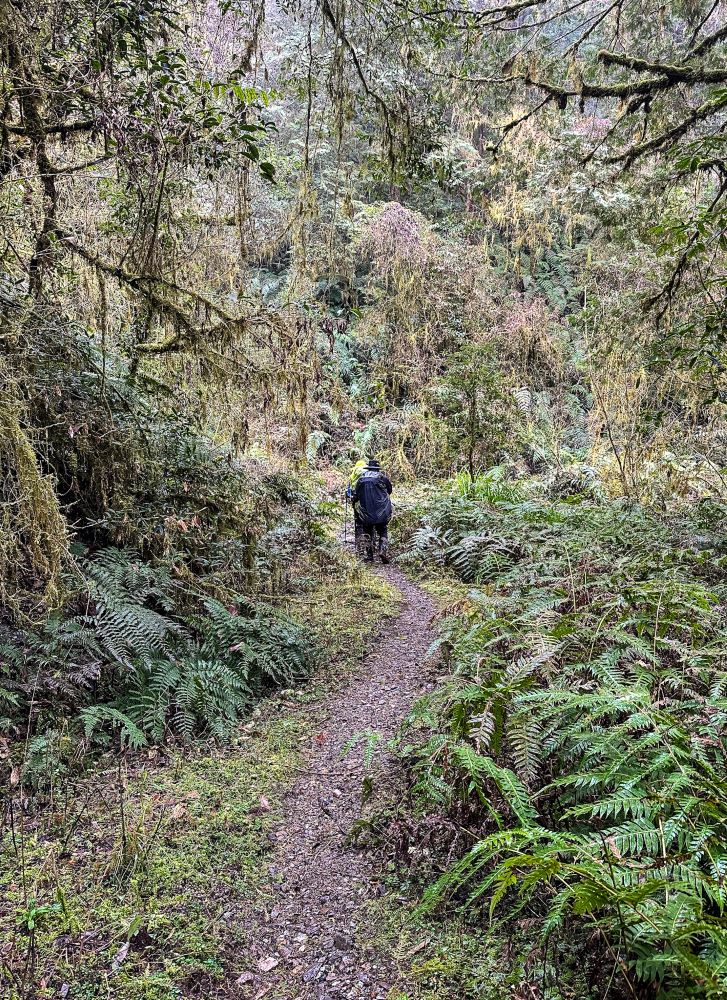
x=304, y=941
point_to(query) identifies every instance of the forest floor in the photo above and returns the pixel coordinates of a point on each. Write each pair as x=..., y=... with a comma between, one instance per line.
x=229, y=871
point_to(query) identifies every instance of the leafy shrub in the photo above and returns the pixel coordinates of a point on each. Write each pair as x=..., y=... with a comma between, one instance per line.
x=584, y=726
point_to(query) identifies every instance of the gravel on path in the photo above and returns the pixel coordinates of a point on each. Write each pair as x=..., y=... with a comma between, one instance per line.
x=304, y=942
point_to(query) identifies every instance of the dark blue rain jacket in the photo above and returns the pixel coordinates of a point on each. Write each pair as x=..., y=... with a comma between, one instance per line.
x=372, y=497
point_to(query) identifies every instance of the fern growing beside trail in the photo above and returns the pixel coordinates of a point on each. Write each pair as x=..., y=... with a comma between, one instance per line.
x=206, y=683
x=582, y=731
x=145, y=659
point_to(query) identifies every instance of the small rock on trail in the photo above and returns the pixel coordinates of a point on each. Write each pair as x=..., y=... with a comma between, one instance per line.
x=319, y=881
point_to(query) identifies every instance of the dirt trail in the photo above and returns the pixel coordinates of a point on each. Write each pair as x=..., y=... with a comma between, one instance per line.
x=309, y=927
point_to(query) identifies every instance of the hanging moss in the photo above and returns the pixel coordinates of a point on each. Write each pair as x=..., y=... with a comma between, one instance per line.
x=33, y=540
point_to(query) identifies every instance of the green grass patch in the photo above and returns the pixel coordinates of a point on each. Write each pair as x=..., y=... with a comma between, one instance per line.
x=447, y=958
x=343, y=611
x=141, y=893
x=439, y=960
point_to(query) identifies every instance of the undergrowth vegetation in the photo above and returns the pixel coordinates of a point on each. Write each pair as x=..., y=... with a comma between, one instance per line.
x=173, y=643
x=137, y=562
x=579, y=741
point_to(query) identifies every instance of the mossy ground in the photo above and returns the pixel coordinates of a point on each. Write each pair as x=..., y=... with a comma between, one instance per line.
x=344, y=609
x=438, y=959
x=443, y=957
x=131, y=884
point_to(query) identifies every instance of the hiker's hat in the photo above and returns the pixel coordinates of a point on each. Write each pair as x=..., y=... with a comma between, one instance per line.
x=372, y=464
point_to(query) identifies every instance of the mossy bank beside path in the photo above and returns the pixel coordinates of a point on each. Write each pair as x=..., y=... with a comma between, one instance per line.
x=229, y=872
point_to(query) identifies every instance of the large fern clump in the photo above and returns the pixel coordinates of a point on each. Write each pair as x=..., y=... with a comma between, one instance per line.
x=145, y=657
x=583, y=728
x=204, y=684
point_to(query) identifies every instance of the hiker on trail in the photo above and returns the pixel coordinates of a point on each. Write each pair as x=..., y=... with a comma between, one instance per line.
x=371, y=496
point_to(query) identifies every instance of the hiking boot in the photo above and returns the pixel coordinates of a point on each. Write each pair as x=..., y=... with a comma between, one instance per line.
x=365, y=547
x=384, y=551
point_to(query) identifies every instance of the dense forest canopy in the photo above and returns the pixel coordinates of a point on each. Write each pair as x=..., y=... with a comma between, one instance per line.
x=244, y=245
x=577, y=146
